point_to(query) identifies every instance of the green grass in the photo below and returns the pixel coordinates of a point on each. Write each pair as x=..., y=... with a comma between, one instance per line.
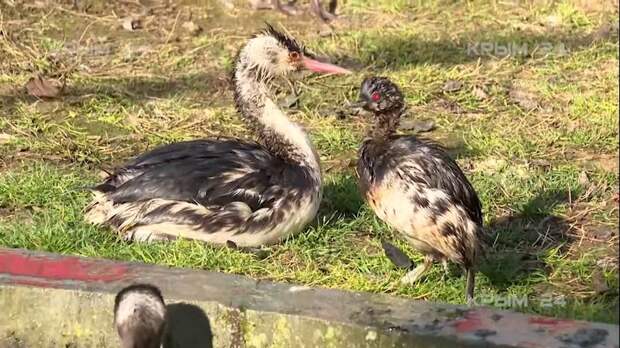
x=547, y=178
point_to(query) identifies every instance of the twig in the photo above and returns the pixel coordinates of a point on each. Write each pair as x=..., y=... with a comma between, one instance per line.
x=174, y=26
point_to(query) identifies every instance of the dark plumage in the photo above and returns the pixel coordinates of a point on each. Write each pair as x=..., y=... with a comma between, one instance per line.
x=220, y=190
x=413, y=185
x=140, y=316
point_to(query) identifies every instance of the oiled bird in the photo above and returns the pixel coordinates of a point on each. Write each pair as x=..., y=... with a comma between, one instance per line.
x=226, y=190
x=140, y=316
x=415, y=187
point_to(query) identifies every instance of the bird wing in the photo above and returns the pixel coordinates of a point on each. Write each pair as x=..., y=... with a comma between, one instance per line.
x=208, y=172
x=439, y=171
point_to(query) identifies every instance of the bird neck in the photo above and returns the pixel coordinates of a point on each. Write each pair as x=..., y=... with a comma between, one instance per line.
x=385, y=126
x=274, y=130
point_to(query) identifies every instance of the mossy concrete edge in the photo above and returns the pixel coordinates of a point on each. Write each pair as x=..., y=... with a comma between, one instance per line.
x=50, y=300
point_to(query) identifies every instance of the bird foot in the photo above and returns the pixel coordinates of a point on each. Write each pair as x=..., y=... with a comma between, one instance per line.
x=446, y=270
x=412, y=276
x=471, y=302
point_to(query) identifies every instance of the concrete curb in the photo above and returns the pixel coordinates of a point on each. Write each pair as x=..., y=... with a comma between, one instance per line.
x=49, y=300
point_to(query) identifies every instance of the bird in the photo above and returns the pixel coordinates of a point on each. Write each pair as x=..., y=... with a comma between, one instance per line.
x=140, y=316
x=226, y=190
x=414, y=186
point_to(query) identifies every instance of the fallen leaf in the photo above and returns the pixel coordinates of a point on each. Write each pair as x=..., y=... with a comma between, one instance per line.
x=192, y=28
x=526, y=100
x=39, y=87
x=344, y=161
x=604, y=31
x=451, y=106
x=397, y=256
x=583, y=179
x=601, y=232
x=417, y=126
x=289, y=101
x=131, y=23
x=541, y=163
x=599, y=285
x=479, y=93
x=452, y=86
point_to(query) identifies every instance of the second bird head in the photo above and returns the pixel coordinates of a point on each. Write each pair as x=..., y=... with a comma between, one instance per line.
x=380, y=95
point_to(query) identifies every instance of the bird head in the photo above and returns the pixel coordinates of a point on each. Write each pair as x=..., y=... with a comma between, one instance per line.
x=140, y=316
x=272, y=53
x=380, y=95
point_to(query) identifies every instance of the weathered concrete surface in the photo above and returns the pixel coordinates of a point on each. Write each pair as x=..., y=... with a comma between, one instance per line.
x=48, y=300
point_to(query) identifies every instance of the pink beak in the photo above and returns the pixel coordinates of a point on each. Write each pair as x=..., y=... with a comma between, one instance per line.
x=320, y=67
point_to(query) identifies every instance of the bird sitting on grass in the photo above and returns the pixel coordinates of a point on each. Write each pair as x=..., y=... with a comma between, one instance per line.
x=415, y=187
x=226, y=190
x=140, y=316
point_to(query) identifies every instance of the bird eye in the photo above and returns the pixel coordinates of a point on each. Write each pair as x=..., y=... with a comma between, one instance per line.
x=375, y=96
x=293, y=55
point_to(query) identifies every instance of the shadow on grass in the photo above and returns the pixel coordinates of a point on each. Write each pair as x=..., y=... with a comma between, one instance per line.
x=395, y=50
x=204, y=88
x=341, y=196
x=522, y=240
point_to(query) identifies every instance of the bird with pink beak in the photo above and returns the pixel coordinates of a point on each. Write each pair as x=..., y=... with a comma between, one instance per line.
x=226, y=191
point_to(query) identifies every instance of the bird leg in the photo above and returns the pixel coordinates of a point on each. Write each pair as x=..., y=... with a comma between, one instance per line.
x=416, y=274
x=325, y=15
x=446, y=269
x=288, y=9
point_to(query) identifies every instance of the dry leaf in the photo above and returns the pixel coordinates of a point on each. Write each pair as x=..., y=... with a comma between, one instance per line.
x=131, y=23
x=598, y=282
x=524, y=99
x=192, y=28
x=452, y=86
x=479, y=93
x=418, y=126
x=43, y=88
x=583, y=179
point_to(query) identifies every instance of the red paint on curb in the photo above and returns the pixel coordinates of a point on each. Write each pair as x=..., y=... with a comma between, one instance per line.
x=543, y=321
x=63, y=268
x=552, y=325
x=471, y=322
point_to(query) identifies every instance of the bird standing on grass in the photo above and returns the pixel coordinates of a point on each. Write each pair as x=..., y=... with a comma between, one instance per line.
x=140, y=316
x=226, y=190
x=415, y=187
